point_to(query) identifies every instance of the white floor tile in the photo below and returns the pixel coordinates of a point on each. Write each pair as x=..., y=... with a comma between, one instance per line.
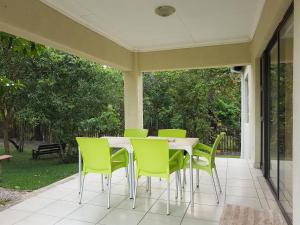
x=208, y=199
x=142, y=204
x=33, y=204
x=86, y=196
x=122, y=216
x=38, y=219
x=89, y=213
x=205, y=212
x=156, y=219
x=101, y=200
x=11, y=216
x=176, y=208
x=59, y=208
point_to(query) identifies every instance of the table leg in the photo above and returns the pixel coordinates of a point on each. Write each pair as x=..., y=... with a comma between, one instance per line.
x=130, y=176
x=79, y=170
x=191, y=181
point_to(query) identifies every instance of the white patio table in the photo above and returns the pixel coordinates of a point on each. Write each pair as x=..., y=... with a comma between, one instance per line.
x=185, y=144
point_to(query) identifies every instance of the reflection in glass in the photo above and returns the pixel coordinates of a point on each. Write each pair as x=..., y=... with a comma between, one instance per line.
x=285, y=105
x=273, y=115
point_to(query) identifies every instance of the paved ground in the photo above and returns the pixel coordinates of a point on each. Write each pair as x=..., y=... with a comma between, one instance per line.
x=241, y=184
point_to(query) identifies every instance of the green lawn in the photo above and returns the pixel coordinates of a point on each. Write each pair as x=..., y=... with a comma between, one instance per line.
x=24, y=173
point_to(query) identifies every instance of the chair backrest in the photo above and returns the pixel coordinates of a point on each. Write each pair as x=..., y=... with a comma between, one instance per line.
x=175, y=133
x=141, y=133
x=95, y=153
x=152, y=157
x=215, y=146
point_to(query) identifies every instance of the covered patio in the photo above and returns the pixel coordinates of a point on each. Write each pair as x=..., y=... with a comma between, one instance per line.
x=58, y=204
x=131, y=37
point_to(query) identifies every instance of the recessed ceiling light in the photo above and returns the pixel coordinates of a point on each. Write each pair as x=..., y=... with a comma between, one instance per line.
x=165, y=10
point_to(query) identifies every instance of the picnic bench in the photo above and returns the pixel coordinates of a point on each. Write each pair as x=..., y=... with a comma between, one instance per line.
x=48, y=149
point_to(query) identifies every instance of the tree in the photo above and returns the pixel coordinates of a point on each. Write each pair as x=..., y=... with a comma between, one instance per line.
x=13, y=51
x=8, y=90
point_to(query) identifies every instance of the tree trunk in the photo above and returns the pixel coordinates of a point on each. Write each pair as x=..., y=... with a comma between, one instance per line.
x=6, y=136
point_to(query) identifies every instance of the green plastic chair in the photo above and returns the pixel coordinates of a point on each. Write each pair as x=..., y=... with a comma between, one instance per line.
x=150, y=165
x=97, y=158
x=202, y=150
x=134, y=133
x=205, y=161
x=142, y=133
x=172, y=133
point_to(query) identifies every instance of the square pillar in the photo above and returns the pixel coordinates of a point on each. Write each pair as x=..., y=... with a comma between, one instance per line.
x=133, y=99
x=296, y=115
x=254, y=113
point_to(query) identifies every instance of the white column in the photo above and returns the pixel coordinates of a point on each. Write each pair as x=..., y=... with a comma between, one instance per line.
x=296, y=115
x=254, y=113
x=133, y=99
x=243, y=115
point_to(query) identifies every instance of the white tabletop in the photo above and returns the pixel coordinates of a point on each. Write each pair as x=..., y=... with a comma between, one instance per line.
x=186, y=144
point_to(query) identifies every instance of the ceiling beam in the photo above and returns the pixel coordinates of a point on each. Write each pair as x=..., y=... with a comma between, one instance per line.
x=200, y=57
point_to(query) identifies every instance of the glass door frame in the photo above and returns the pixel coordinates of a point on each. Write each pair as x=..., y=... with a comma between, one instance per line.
x=265, y=110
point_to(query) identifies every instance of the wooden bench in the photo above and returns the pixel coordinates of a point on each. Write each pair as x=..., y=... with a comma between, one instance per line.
x=48, y=149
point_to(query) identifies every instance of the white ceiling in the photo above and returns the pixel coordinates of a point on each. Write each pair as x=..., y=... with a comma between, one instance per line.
x=134, y=25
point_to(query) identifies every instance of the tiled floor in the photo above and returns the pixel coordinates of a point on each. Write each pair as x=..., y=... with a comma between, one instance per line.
x=241, y=184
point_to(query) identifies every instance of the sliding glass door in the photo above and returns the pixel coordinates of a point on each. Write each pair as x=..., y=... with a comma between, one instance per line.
x=277, y=113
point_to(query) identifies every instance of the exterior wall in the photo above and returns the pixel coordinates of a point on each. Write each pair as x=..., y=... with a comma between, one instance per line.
x=201, y=57
x=33, y=20
x=296, y=115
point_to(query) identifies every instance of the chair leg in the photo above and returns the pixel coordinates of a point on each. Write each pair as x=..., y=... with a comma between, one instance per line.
x=168, y=201
x=81, y=190
x=197, y=176
x=134, y=194
x=214, y=184
x=102, y=183
x=176, y=179
x=218, y=180
x=126, y=172
x=179, y=180
x=149, y=185
x=184, y=178
x=128, y=182
x=109, y=191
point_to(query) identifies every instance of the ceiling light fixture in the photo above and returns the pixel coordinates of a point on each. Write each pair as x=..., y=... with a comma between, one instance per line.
x=165, y=10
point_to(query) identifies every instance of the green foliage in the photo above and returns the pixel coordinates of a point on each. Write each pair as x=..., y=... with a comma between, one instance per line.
x=203, y=101
x=66, y=96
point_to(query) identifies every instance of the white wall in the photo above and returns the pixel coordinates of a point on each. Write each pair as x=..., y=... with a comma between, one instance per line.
x=296, y=115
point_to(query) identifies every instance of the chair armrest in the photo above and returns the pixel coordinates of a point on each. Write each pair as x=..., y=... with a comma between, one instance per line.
x=175, y=155
x=122, y=154
x=200, y=153
x=202, y=147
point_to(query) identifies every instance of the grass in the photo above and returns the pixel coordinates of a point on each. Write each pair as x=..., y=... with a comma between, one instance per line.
x=24, y=173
